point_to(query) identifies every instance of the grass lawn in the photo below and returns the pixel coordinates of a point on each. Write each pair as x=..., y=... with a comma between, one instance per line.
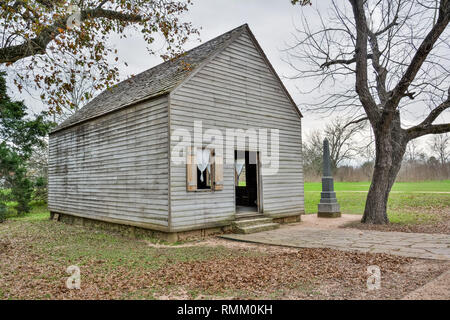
x=409, y=202
x=427, y=186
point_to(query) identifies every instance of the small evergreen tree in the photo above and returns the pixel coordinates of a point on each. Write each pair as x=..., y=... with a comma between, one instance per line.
x=19, y=134
x=3, y=210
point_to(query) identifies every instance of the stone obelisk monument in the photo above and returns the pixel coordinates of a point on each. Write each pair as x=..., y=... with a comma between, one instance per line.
x=328, y=206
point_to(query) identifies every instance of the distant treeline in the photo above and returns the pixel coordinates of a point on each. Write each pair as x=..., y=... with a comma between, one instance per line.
x=411, y=171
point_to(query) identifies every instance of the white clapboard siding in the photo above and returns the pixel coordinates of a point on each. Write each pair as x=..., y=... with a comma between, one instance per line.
x=236, y=90
x=114, y=167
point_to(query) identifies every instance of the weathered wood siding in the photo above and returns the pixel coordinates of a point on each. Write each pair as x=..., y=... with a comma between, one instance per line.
x=114, y=167
x=237, y=90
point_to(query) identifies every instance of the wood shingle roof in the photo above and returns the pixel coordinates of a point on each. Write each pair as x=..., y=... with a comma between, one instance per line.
x=154, y=82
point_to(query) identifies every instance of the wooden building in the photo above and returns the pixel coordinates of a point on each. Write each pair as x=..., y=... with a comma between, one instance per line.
x=111, y=161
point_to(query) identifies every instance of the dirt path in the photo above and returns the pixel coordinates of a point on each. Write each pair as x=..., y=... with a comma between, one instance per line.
x=437, y=289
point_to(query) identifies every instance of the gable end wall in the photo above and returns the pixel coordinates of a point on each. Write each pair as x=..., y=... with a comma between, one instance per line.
x=236, y=90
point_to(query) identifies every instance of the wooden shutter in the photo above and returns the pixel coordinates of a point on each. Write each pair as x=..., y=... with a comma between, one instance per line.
x=218, y=172
x=191, y=169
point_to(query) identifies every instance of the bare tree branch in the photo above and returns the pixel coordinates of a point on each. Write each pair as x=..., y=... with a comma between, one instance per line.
x=430, y=129
x=426, y=127
x=362, y=87
x=341, y=61
x=356, y=121
x=421, y=54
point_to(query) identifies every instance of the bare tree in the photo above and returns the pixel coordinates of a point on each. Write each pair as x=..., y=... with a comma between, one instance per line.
x=341, y=136
x=38, y=162
x=312, y=154
x=440, y=146
x=412, y=151
x=343, y=145
x=396, y=52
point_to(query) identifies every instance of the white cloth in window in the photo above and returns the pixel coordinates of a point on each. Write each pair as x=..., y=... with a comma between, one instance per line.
x=239, y=165
x=203, y=161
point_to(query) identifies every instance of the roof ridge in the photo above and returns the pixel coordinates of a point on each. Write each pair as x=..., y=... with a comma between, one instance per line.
x=156, y=81
x=174, y=60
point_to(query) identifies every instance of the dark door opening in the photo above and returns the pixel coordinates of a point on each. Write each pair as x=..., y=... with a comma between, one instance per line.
x=246, y=181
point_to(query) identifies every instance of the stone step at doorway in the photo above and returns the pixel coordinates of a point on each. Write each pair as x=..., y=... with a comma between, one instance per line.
x=253, y=225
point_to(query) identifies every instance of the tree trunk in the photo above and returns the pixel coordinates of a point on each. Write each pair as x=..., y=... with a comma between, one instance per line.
x=390, y=148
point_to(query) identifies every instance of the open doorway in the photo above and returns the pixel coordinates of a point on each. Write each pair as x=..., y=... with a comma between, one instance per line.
x=246, y=181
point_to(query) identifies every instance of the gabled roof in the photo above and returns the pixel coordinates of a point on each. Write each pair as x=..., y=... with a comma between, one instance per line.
x=159, y=80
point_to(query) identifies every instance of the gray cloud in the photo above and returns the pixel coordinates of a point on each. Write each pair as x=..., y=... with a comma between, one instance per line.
x=271, y=21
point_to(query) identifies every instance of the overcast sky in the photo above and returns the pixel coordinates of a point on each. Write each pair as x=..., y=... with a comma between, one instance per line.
x=272, y=22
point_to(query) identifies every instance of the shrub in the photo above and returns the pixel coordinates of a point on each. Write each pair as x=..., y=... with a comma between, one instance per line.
x=40, y=190
x=6, y=195
x=22, y=190
x=3, y=212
